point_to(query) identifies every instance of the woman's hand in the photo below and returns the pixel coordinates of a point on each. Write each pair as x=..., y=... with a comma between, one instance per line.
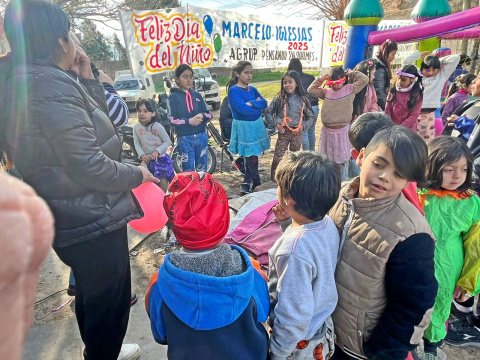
x=155, y=155
x=280, y=213
x=81, y=66
x=452, y=119
x=280, y=128
x=147, y=175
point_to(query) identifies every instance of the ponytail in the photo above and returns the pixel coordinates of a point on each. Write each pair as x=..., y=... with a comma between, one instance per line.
x=465, y=79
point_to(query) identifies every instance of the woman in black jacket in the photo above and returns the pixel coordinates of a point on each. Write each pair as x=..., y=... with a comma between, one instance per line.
x=385, y=55
x=57, y=132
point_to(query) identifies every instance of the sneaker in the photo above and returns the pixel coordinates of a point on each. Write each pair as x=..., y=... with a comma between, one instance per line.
x=133, y=299
x=245, y=189
x=129, y=352
x=71, y=290
x=458, y=311
x=463, y=333
x=429, y=356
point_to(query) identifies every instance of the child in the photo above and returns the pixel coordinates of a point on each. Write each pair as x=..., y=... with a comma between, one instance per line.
x=249, y=137
x=385, y=277
x=291, y=112
x=436, y=72
x=453, y=211
x=302, y=261
x=405, y=98
x=206, y=300
x=152, y=142
x=458, y=92
x=360, y=134
x=337, y=110
x=366, y=100
x=189, y=114
x=383, y=59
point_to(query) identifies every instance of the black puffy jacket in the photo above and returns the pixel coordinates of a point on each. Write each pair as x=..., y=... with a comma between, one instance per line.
x=65, y=147
x=381, y=83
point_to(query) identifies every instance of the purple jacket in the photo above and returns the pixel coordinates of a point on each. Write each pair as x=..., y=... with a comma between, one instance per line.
x=452, y=104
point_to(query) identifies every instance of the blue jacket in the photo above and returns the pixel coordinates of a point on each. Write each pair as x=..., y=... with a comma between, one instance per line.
x=184, y=105
x=206, y=317
x=238, y=98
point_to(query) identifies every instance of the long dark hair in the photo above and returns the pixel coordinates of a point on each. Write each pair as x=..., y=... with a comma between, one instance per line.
x=366, y=68
x=282, y=95
x=417, y=89
x=443, y=151
x=465, y=79
x=32, y=28
x=295, y=65
x=237, y=69
x=150, y=105
x=386, y=48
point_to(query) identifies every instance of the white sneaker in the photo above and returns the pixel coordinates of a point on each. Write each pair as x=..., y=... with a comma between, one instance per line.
x=129, y=352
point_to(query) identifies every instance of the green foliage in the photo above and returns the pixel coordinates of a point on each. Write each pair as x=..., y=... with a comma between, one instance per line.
x=119, y=51
x=96, y=45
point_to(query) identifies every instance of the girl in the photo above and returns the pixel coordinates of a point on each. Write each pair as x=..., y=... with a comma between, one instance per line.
x=337, y=112
x=458, y=92
x=249, y=137
x=152, y=142
x=405, y=98
x=189, y=114
x=366, y=100
x=292, y=113
x=383, y=59
x=435, y=72
x=453, y=212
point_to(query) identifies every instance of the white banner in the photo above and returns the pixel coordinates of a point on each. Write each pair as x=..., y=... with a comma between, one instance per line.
x=161, y=40
x=335, y=41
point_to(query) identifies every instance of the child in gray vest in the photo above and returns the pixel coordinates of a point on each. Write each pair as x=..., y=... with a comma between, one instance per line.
x=302, y=261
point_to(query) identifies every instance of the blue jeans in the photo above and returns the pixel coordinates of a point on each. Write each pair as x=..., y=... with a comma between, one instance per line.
x=308, y=137
x=193, y=150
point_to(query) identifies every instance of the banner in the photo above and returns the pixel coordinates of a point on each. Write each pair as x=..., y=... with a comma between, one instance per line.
x=335, y=41
x=160, y=40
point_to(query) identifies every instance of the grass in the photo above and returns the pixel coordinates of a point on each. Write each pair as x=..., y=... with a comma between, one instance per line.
x=268, y=91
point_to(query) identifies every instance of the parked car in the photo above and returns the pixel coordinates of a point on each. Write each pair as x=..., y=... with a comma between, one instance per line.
x=133, y=88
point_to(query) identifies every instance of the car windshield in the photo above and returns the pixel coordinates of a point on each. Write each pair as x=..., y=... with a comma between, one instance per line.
x=203, y=72
x=126, y=85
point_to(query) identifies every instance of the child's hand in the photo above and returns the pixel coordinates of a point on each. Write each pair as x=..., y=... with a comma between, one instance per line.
x=280, y=213
x=461, y=295
x=196, y=120
x=425, y=54
x=249, y=104
x=452, y=119
x=155, y=155
x=324, y=78
x=145, y=158
x=280, y=128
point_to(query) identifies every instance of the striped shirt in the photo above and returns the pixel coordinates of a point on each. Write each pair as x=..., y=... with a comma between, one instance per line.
x=117, y=108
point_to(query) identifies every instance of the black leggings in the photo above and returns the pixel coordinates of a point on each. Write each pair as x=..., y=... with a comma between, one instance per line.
x=251, y=171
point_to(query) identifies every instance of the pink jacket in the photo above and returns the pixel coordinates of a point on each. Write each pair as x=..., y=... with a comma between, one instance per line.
x=371, y=101
x=398, y=110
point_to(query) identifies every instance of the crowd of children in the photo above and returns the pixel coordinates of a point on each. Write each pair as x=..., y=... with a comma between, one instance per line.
x=365, y=269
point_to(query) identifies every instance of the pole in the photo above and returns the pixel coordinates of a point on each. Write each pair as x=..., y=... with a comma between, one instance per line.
x=464, y=43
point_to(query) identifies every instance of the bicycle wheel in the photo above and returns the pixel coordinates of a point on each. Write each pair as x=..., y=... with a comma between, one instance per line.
x=177, y=161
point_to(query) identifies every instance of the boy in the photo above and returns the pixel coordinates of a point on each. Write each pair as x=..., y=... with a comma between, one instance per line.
x=206, y=300
x=360, y=134
x=385, y=277
x=302, y=261
x=436, y=72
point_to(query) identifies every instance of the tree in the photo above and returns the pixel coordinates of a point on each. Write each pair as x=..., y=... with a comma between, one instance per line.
x=103, y=10
x=96, y=45
x=119, y=51
x=325, y=9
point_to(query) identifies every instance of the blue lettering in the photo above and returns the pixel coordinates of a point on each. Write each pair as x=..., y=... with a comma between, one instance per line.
x=227, y=27
x=250, y=30
x=310, y=37
x=257, y=32
x=236, y=30
x=244, y=31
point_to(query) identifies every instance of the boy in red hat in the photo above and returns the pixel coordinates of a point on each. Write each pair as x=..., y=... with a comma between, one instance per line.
x=206, y=301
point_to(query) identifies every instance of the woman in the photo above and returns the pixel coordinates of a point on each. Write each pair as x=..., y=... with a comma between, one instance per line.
x=385, y=55
x=57, y=132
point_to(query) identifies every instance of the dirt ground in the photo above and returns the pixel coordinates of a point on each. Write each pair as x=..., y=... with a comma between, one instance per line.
x=150, y=253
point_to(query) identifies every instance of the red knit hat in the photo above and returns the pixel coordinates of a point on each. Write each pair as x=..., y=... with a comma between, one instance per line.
x=198, y=210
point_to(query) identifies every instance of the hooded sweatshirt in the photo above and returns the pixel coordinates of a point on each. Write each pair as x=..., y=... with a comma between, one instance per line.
x=209, y=317
x=182, y=106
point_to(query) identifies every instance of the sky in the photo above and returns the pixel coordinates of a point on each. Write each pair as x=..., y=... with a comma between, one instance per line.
x=228, y=5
